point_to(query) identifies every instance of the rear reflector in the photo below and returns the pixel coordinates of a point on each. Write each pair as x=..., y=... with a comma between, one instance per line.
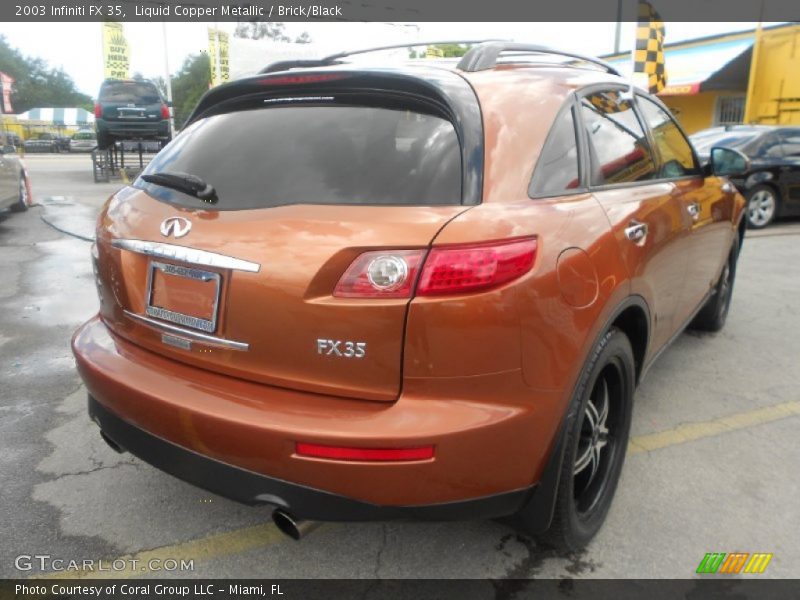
x=470, y=268
x=365, y=454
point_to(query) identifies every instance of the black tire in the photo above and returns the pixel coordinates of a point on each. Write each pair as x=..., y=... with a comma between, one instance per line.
x=763, y=203
x=714, y=313
x=103, y=141
x=586, y=489
x=22, y=203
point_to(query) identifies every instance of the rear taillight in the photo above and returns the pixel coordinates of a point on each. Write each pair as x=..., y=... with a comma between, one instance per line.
x=164, y=111
x=364, y=454
x=382, y=274
x=98, y=112
x=463, y=269
x=447, y=270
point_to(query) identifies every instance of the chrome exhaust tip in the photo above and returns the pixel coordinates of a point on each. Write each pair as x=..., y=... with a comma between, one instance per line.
x=292, y=527
x=112, y=444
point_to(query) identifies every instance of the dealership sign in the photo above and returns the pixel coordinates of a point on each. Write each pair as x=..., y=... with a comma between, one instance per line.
x=116, y=62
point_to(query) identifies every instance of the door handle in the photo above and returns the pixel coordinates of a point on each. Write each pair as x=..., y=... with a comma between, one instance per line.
x=728, y=188
x=636, y=232
x=693, y=208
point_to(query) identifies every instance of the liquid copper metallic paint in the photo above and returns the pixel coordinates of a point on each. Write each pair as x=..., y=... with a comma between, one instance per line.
x=485, y=378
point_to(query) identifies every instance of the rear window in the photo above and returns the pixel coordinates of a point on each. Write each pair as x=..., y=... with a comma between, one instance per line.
x=315, y=155
x=83, y=135
x=129, y=92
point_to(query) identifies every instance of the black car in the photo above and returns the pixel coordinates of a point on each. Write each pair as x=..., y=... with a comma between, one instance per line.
x=772, y=184
x=130, y=109
x=43, y=142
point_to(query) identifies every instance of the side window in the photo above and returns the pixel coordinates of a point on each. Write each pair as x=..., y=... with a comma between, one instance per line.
x=677, y=159
x=767, y=146
x=617, y=143
x=790, y=140
x=557, y=168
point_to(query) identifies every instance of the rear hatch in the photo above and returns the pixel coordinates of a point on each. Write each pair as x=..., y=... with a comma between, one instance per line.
x=245, y=286
x=130, y=101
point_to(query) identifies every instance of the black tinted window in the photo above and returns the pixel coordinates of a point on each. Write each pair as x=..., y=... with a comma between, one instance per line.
x=557, y=169
x=677, y=159
x=316, y=155
x=618, y=145
x=129, y=91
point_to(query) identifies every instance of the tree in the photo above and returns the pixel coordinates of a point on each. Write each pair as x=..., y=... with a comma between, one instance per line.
x=37, y=84
x=188, y=85
x=259, y=30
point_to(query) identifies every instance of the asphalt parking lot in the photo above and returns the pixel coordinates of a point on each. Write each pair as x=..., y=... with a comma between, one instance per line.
x=712, y=466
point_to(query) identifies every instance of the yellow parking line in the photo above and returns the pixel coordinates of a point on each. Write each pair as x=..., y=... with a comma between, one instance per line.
x=695, y=431
x=259, y=536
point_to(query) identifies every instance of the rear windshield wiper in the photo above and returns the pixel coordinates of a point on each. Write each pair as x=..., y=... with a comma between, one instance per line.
x=184, y=182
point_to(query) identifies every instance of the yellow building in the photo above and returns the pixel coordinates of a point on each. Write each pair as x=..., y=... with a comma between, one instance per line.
x=746, y=77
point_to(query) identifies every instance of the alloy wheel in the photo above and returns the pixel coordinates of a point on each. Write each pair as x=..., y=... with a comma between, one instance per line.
x=597, y=444
x=761, y=208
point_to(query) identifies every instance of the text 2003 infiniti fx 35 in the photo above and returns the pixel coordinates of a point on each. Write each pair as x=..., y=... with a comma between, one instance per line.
x=419, y=292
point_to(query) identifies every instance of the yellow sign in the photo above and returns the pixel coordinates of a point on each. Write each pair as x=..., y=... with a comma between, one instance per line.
x=434, y=52
x=116, y=62
x=218, y=50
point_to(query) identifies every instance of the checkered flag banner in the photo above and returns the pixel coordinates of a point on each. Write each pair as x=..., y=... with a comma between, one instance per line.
x=648, y=57
x=608, y=102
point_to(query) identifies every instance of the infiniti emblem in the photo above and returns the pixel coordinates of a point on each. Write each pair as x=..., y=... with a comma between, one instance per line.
x=175, y=227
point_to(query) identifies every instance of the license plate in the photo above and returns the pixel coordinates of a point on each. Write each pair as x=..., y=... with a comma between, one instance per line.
x=183, y=295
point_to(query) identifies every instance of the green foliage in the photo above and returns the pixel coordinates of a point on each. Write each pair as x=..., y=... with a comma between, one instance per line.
x=37, y=84
x=259, y=30
x=188, y=85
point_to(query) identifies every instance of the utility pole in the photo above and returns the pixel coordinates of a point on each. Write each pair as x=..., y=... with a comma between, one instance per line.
x=168, y=79
x=618, y=30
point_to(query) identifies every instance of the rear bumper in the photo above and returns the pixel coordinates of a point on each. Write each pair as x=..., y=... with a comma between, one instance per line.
x=304, y=502
x=133, y=128
x=237, y=438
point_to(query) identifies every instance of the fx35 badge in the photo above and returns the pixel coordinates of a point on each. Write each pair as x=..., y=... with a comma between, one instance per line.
x=341, y=348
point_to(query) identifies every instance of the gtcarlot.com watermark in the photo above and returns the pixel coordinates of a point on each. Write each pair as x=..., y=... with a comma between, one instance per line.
x=46, y=562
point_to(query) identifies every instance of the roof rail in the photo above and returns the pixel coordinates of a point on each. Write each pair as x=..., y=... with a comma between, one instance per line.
x=486, y=55
x=334, y=59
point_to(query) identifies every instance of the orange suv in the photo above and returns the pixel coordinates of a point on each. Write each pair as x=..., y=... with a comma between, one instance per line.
x=355, y=293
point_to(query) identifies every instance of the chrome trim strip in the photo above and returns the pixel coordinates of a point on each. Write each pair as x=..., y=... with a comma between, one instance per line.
x=195, y=335
x=188, y=255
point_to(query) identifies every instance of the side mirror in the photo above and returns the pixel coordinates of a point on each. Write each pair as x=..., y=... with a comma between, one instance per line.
x=727, y=161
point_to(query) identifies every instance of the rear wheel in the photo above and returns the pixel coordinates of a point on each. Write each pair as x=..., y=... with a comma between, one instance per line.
x=762, y=206
x=103, y=140
x=598, y=425
x=22, y=202
x=714, y=313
